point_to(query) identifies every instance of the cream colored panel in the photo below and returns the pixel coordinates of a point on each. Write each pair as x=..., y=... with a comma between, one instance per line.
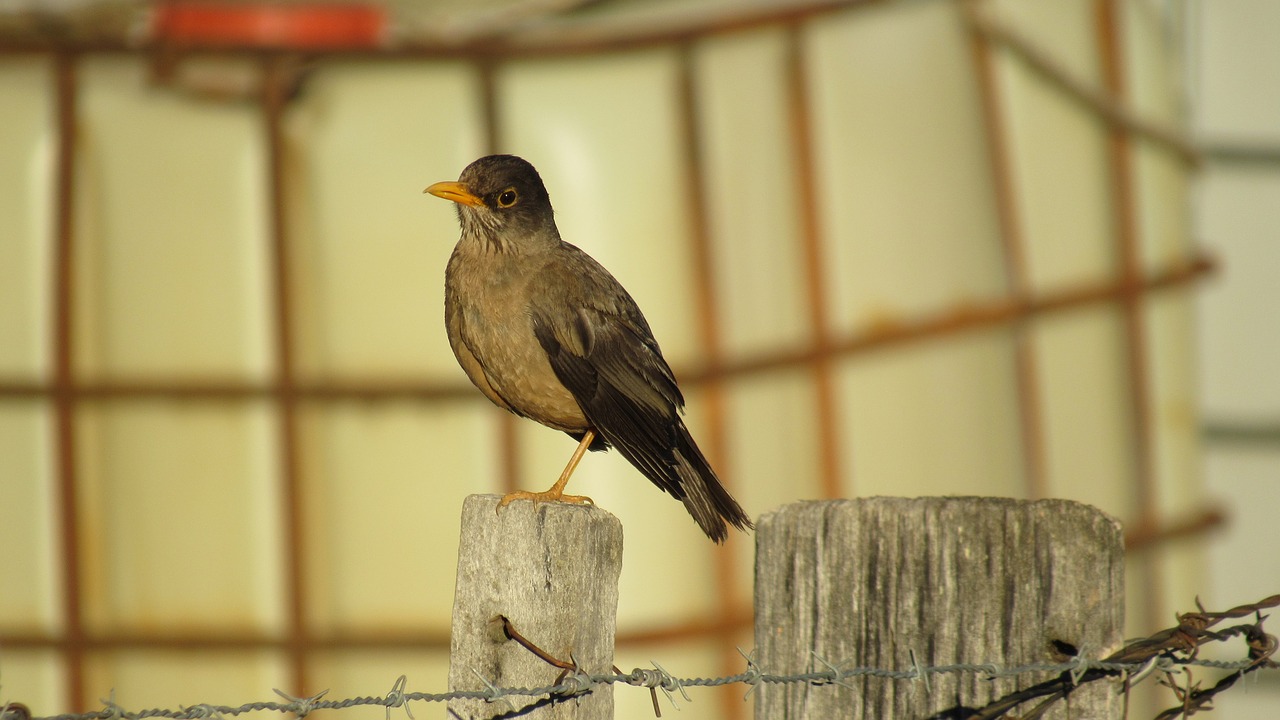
x=1059, y=164
x=383, y=491
x=690, y=659
x=903, y=174
x=938, y=418
x=1152, y=87
x=1176, y=440
x=1182, y=564
x=1244, y=477
x=1137, y=621
x=26, y=215
x=34, y=678
x=1238, y=97
x=1065, y=30
x=1240, y=566
x=736, y=585
x=1084, y=398
x=177, y=680
x=1175, y=416
x=180, y=517
x=1239, y=336
x=171, y=230
x=655, y=526
x=773, y=440
x=373, y=673
x=603, y=133
x=1153, y=60
x=369, y=247
x=752, y=196
x=1163, y=208
x=773, y=449
x=29, y=555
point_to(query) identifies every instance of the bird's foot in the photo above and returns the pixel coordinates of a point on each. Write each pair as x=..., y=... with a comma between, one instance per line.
x=552, y=495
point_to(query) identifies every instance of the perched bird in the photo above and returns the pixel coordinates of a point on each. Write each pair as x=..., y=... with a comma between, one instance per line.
x=544, y=331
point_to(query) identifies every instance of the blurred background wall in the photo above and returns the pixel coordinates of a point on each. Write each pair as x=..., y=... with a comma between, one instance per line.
x=921, y=247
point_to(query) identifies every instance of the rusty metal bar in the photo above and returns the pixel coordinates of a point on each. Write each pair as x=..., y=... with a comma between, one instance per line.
x=702, y=627
x=65, y=88
x=509, y=468
x=714, y=437
x=1151, y=533
x=1108, y=106
x=1128, y=254
x=974, y=317
x=826, y=400
x=702, y=252
x=1017, y=276
x=234, y=390
x=276, y=82
x=970, y=318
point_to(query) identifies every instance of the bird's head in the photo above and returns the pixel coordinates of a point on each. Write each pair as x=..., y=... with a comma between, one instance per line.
x=501, y=201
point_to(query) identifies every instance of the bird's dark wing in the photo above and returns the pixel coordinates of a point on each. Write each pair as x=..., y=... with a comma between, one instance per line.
x=601, y=349
x=605, y=355
x=626, y=396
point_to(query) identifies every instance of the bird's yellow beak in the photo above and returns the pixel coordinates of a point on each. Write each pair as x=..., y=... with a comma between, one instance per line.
x=455, y=191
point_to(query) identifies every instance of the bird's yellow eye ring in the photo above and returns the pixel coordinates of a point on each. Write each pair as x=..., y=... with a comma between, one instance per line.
x=508, y=197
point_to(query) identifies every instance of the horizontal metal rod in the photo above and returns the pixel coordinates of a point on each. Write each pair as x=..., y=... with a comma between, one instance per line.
x=965, y=318
x=692, y=629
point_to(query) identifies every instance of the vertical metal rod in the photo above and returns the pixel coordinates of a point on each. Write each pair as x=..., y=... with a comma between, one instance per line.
x=825, y=391
x=276, y=77
x=491, y=119
x=1017, y=275
x=714, y=437
x=1123, y=192
x=66, y=64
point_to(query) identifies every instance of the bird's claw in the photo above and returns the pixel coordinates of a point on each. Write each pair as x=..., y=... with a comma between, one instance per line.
x=545, y=496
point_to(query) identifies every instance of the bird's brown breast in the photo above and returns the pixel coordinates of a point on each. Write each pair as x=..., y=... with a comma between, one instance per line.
x=490, y=329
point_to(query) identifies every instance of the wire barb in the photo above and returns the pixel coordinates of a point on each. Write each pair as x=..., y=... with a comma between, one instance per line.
x=492, y=692
x=301, y=706
x=1079, y=666
x=835, y=676
x=204, y=710
x=918, y=672
x=395, y=698
x=110, y=710
x=753, y=676
x=667, y=683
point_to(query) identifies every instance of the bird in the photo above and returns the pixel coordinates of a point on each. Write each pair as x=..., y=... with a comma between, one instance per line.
x=547, y=333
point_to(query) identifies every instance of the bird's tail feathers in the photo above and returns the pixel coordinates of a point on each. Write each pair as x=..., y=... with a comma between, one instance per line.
x=704, y=497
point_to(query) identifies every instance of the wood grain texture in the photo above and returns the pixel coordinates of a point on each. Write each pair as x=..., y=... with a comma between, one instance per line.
x=862, y=583
x=553, y=571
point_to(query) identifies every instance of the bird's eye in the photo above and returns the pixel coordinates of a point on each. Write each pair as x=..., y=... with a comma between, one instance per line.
x=508, y=198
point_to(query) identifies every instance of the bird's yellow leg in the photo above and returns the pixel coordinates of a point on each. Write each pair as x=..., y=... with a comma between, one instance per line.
x=556, y=492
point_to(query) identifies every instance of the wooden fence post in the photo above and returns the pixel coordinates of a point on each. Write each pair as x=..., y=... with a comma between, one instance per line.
x=553, y=571
x=867, y=583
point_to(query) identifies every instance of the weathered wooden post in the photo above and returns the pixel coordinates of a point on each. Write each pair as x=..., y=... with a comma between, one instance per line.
x=553, y=571
x=868, y=583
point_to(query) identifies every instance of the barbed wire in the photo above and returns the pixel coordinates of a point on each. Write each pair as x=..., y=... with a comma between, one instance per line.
x=1164, y=654
x=655, y=677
